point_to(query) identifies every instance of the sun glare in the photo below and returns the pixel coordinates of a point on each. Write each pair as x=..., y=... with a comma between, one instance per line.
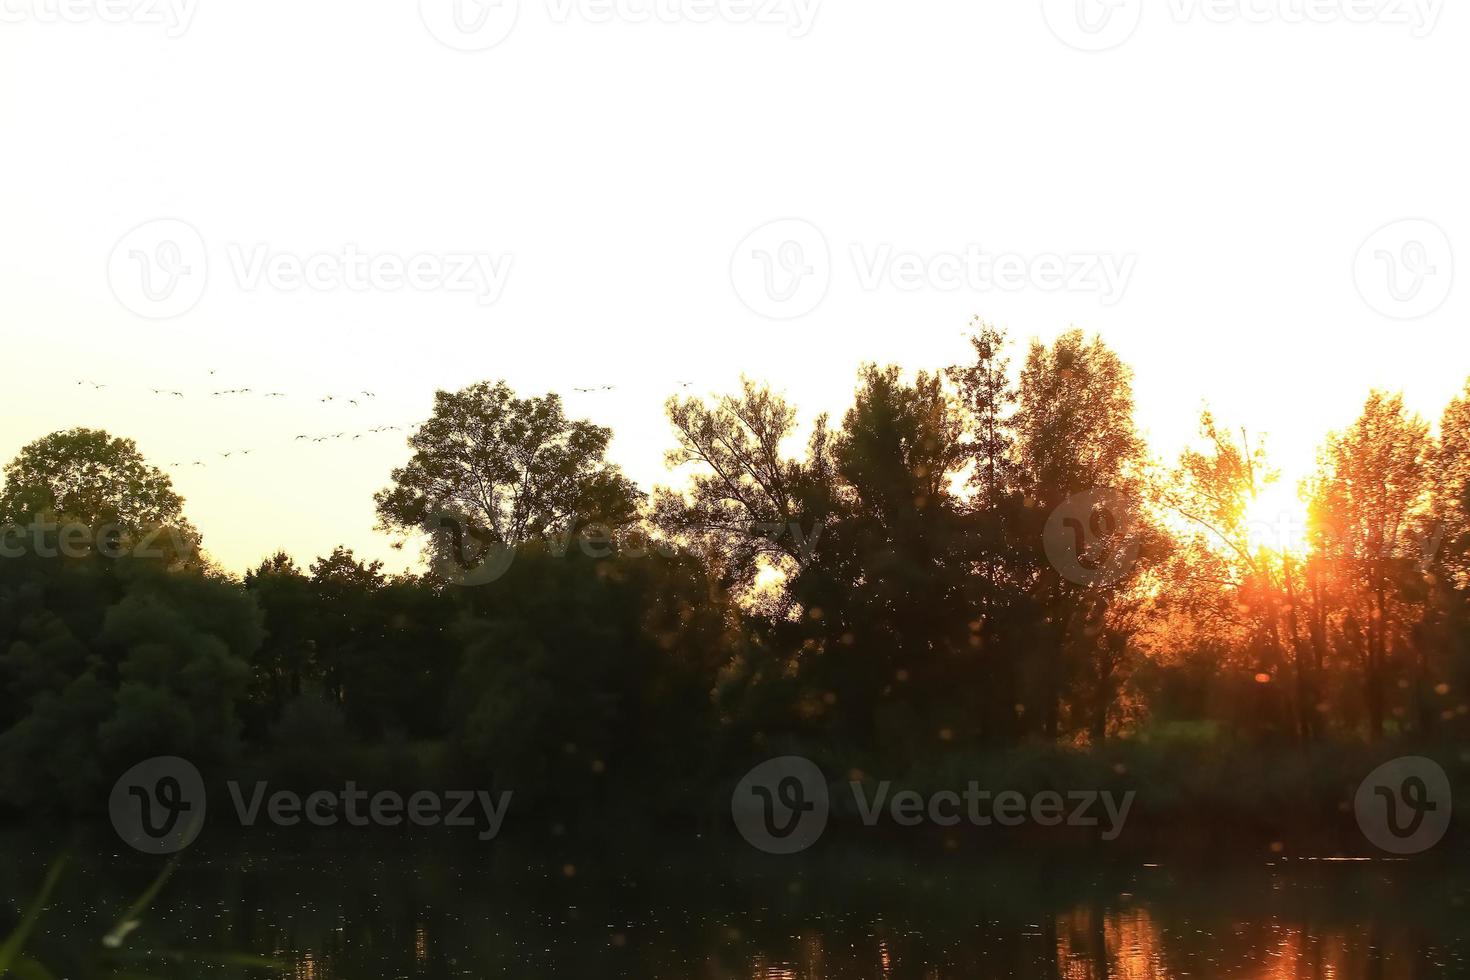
x=1277, y=520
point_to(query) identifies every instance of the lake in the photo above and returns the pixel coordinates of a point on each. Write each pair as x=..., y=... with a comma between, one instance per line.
x=344, y=907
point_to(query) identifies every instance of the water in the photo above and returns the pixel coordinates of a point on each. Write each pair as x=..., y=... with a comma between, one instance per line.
x=343, y=908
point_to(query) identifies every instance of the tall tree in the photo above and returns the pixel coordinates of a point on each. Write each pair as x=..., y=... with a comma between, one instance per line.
x=748, y=504
x=502, y=470
x=1075, y=436
x=98, y=480
x=1373, y=487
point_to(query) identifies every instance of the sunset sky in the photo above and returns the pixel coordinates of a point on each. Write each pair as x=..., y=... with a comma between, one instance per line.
x=1227, y=169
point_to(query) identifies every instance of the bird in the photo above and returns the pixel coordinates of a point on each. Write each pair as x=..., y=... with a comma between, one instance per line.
x=177, y=394
x=352, y=402
x=246, y=452
x=276, y=394
x=225, y=455
x=299, y=438
x=197, y=463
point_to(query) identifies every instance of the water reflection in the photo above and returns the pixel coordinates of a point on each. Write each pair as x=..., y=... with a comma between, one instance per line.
x=331, y=914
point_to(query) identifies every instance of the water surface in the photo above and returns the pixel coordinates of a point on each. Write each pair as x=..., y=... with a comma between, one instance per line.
x=343, y=908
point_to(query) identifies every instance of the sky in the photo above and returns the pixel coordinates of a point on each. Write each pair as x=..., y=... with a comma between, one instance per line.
x=1259, y=205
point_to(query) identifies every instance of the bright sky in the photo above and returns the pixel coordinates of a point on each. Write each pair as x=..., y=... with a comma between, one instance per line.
x=602, y=170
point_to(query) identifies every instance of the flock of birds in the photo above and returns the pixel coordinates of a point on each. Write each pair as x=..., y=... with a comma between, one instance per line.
x=356, y=400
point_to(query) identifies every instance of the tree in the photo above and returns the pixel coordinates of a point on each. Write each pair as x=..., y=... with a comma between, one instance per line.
x=107, y=663
x=1372, y=488
x=89, y=477
x=286, y=660
x=889, y=600
x=1261, y=606
x=1074, y=435
x=503, y=470
x=748, y=504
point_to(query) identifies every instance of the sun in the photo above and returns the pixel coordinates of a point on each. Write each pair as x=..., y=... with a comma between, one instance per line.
x=1276, y=520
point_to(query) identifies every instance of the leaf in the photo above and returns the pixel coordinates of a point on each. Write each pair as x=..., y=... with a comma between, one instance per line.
x=11, y=949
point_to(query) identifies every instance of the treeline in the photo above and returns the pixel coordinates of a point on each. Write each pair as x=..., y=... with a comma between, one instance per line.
x=968, y=561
